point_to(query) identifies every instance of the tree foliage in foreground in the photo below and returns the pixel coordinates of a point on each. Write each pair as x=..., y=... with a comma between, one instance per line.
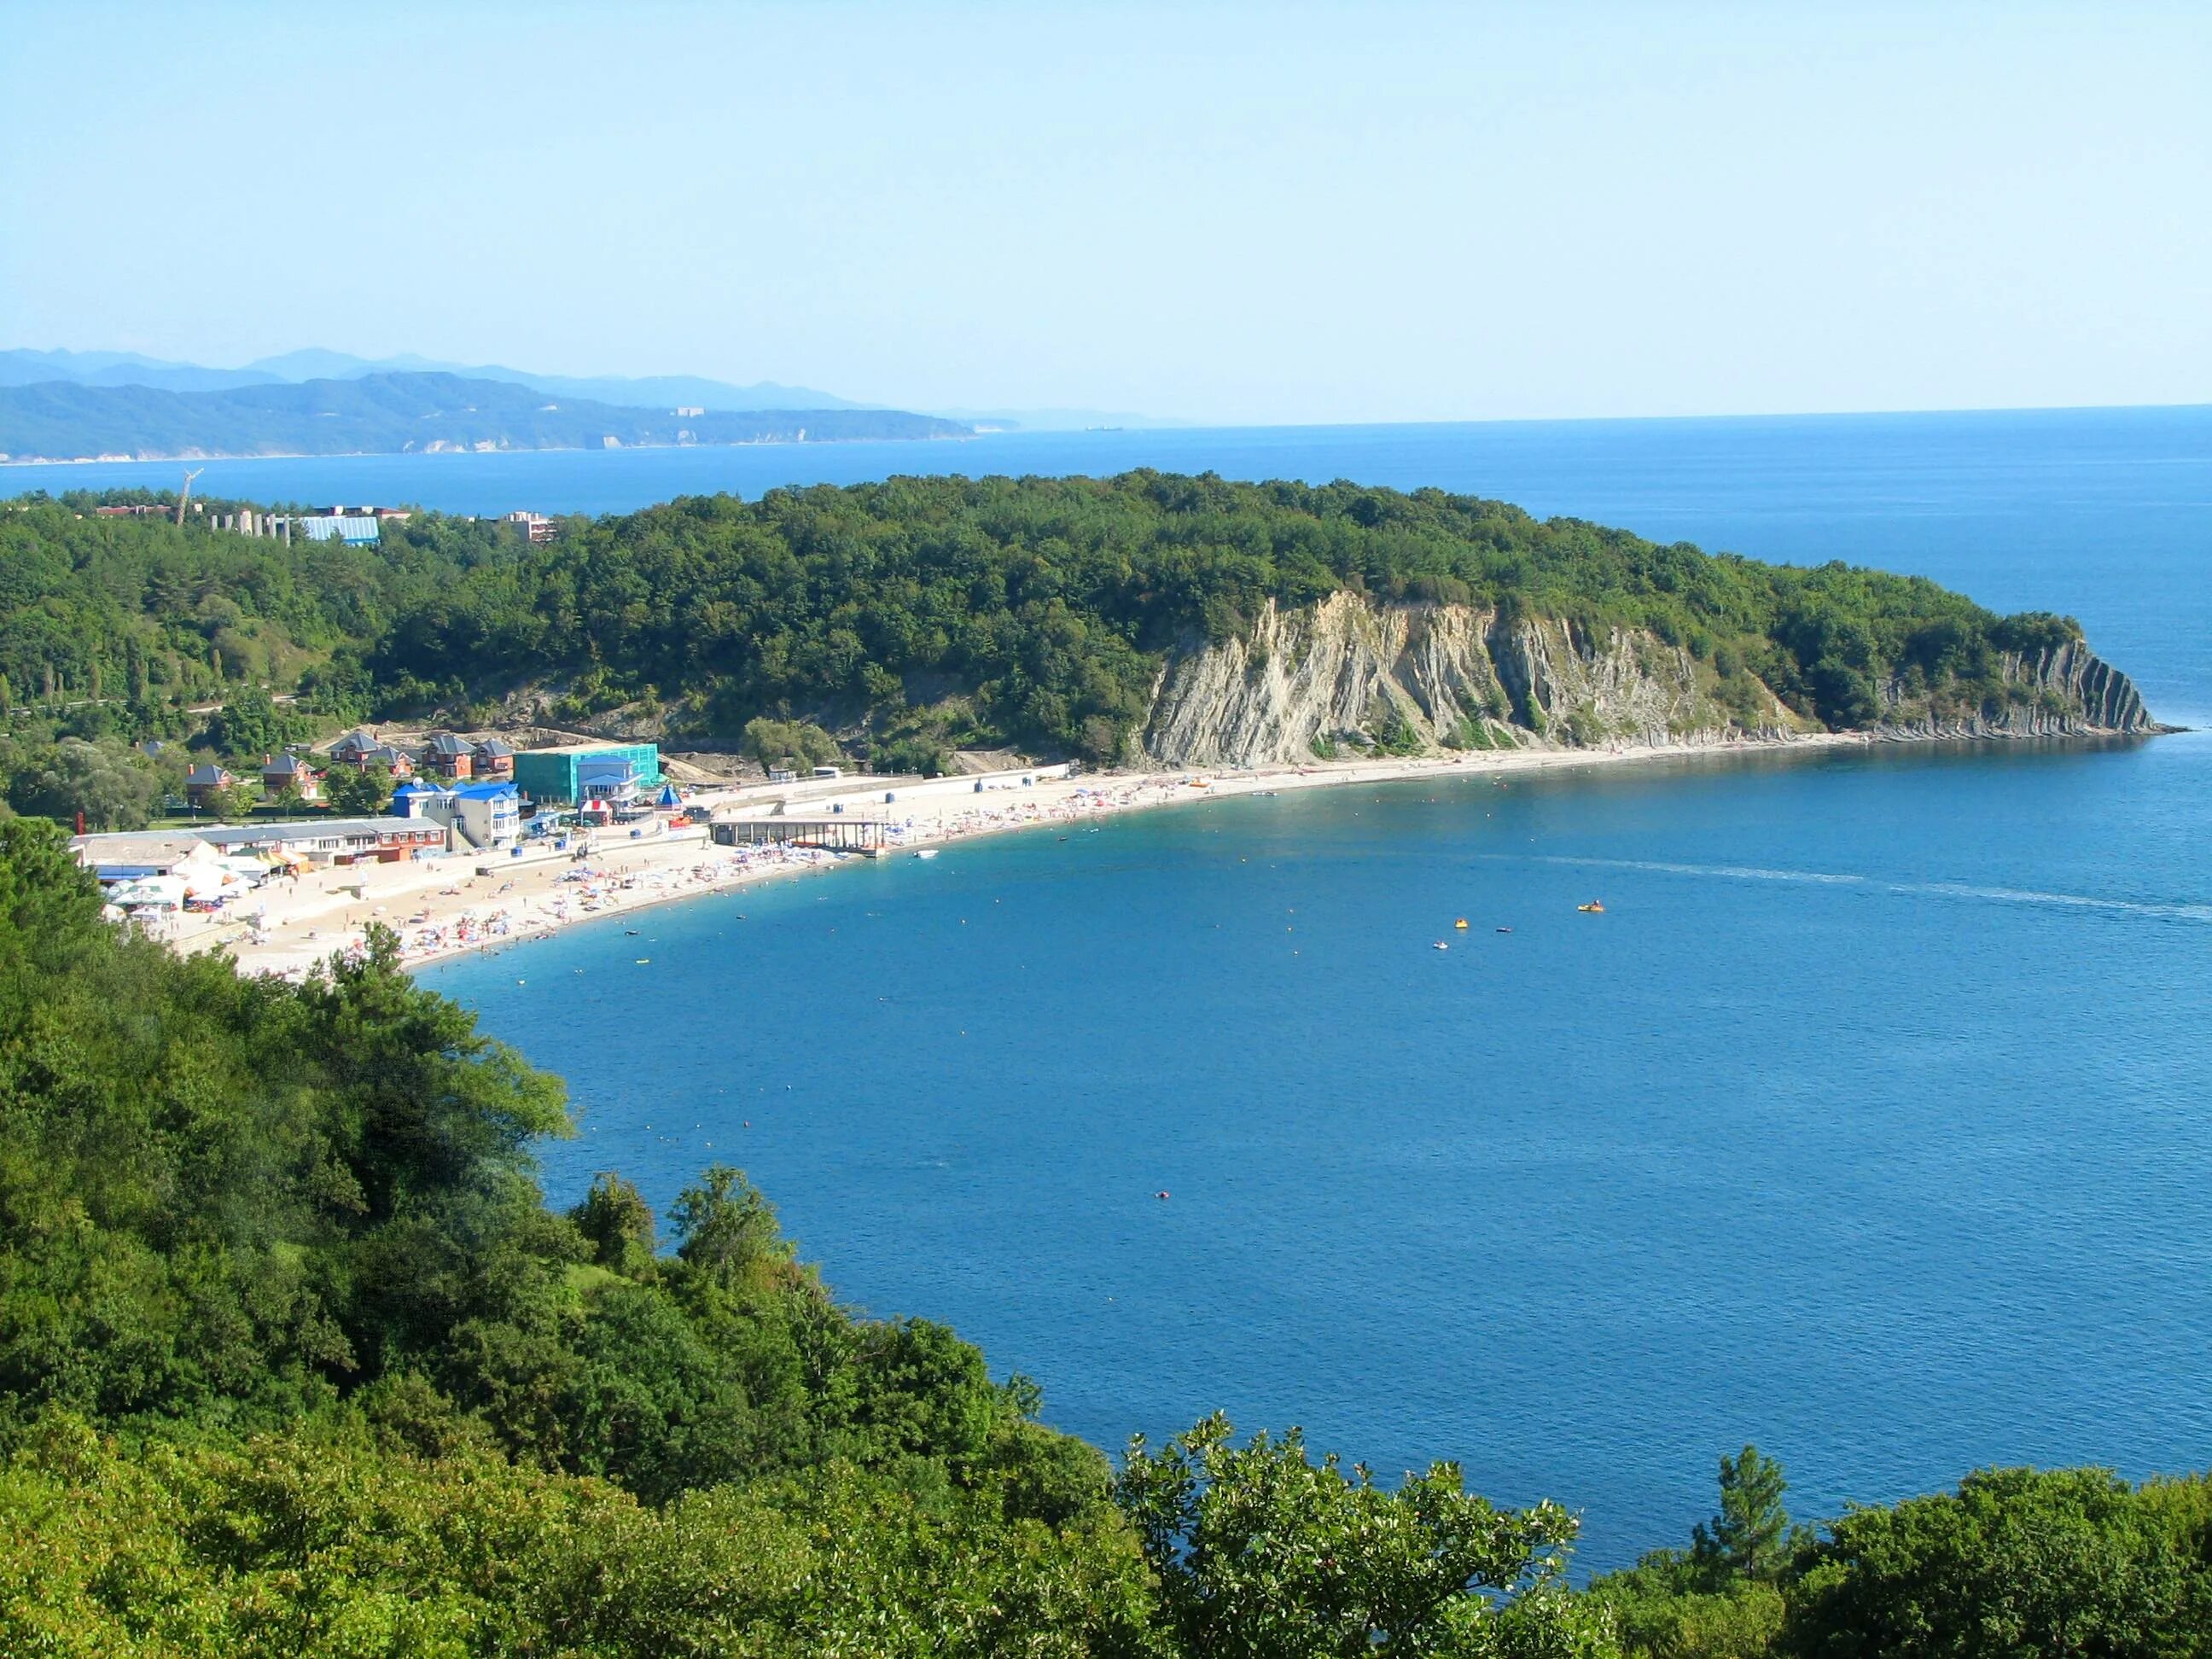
x=2015, y=1563
x=1261, y=1552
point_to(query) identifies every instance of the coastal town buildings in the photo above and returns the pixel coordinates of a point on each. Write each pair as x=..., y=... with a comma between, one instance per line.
x=575, y=774
x=204, y=781
x=363, y=751
x=450, y=757
x=536, y=526
x=125, y=858
x=281, y=773
x=212, y=862
x=481, y=815
x=354, y=529
x=319, y=842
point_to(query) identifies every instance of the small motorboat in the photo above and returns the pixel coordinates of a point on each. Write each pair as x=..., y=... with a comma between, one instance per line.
x=1505, y=930
x=1440, y=946
x=1460, y=924
x=926, y=853
x=1595, y=908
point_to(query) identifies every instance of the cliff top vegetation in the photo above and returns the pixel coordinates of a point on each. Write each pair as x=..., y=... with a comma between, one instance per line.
x=909, y=616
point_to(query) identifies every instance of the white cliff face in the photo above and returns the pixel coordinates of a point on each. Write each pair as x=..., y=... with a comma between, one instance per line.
x=1431, y=675
x=1428, y=677
x=1308, y=676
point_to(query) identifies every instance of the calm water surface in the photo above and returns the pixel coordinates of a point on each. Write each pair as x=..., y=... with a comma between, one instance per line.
x=1872, y=1123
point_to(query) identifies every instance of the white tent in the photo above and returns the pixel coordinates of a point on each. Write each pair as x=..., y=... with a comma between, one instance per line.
x=208, y=882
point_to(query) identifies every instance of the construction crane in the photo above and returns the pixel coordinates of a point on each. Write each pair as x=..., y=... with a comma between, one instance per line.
x=187, y=494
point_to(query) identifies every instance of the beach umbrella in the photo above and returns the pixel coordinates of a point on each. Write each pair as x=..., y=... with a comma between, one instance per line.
x=161, y=892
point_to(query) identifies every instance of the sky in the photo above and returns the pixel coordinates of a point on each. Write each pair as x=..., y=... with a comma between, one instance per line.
x=1277, y=213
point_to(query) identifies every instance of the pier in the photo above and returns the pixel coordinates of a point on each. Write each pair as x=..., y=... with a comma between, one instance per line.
x=838, y=835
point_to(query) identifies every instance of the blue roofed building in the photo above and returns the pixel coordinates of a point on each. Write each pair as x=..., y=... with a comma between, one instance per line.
x=354, y=529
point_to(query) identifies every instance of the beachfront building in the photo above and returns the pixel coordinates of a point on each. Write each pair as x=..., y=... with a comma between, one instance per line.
x=114, y=859
x=579, y=774
x=480, y=814
x=318, y=843
x=488, y=814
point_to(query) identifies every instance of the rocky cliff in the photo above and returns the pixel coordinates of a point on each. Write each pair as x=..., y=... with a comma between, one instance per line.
x=2067, y=691
x=1407, y=678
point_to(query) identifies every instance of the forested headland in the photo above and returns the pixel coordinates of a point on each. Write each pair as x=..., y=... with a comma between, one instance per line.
x=294, y=1359
x=391, y=413
x=902, y=619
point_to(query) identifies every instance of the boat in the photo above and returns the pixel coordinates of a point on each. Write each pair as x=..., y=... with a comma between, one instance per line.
x=1460, y=924
x=926, y=853
x=1505, y=930
x=1440, y=946
x=1595, y=908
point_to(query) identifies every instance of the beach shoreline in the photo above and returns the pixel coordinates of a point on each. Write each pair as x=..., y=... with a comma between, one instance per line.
x=459, y=904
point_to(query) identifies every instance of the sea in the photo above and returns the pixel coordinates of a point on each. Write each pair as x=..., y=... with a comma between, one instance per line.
x=1871, y=1123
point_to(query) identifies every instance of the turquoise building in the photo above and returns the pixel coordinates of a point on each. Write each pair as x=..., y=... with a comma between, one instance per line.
x=581, y=772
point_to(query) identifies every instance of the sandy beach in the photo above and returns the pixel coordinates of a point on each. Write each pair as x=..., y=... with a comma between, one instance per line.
x=442, y=906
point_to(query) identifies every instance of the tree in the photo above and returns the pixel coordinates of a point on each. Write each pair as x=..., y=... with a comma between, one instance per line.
x=727, y=1228
x=2017, y=1563
x=1262, y=1553
x=108, y=782
x=1751, y=1536
x=232, y=801
x=251, y=724
x=615, y=1216
x=772, y=743
x=359, y=794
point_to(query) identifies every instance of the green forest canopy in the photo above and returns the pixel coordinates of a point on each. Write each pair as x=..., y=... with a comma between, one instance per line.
x=1032, y=610
x=293, y=1359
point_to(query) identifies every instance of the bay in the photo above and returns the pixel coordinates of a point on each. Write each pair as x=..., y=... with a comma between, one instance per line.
x=1870, y=1122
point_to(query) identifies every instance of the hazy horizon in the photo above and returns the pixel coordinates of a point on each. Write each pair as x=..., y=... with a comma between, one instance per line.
x=1309, y=215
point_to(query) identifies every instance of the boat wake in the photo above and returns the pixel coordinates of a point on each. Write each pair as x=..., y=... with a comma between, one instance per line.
x=1946, y=889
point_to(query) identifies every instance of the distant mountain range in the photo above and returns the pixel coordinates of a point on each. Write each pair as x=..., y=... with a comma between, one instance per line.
x=387, y=413
x=658, y=392
x=24, y=367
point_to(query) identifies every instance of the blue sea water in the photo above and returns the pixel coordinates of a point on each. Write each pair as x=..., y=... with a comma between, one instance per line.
x=1872, y=1121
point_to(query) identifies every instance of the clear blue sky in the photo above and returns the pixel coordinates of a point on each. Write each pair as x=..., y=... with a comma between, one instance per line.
x=1229, y=212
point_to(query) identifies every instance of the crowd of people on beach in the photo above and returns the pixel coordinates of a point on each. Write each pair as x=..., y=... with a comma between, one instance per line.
x=591, y=891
